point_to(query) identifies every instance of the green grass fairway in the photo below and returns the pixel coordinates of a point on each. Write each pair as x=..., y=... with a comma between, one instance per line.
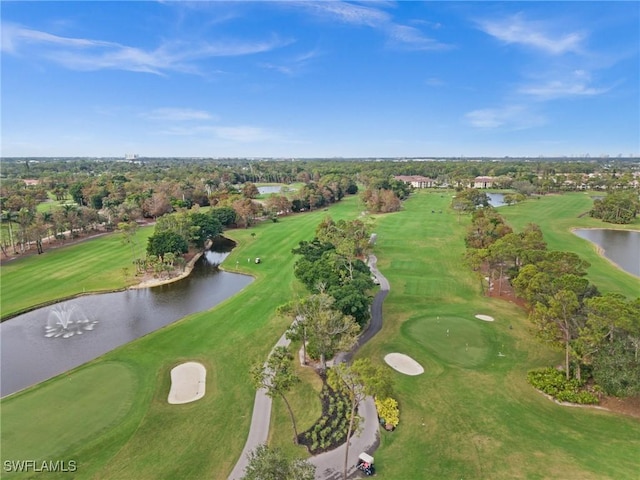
x=72, y=412
x=89, y=266
x=471, y=414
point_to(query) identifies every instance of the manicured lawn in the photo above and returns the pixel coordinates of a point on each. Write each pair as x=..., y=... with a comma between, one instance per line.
x=100, y=395
x=470, y=415
x=89, y=266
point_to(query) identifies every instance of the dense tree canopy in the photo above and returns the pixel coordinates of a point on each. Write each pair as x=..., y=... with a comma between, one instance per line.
x=617, y=207
x=335, y=269
x=166, y=242
x=205, y=226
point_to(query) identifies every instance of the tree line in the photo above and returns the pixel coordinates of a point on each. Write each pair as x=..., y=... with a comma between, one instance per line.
x=598, y=333
x=96, y=192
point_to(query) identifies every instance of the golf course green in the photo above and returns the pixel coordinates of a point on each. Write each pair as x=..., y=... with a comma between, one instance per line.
x=471, y=415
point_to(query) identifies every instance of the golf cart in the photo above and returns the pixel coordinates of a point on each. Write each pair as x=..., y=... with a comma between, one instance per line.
x=365, y=463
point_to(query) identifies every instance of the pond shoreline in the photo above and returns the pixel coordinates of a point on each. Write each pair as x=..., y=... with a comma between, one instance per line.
x=154, y=282
x=30, y=356
x=601, y=251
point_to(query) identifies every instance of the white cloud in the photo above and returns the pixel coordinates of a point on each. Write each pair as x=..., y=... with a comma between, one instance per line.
x=573, y=84
x=517, y=30
x=411, y=37
x=88, y=55
x=14, y=37
x=513, y=117
x=403, y=36
x=346, y=12
x=177, y=114
x=293, y=65
x=559, y=88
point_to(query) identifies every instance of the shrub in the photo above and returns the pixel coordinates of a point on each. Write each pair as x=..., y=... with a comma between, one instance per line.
x=553, y=382
x=389, y=411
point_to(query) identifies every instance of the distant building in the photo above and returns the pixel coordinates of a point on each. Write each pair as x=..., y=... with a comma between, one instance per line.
x=416, y=181
x=483, y=182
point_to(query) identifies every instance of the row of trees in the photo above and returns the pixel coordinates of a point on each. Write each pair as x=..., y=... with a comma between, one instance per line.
x=118, y=199
x=599, y=332
x=328, y=320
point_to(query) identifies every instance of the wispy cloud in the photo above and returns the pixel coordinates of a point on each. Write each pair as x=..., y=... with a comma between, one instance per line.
x=371, y=15
x=413, y=38
x=293, y=65
x=559, y=89
x=575, y=84
x=347, y=12
x=512, y=117
x=88, y=54
x=517, y=30
x=177, y=114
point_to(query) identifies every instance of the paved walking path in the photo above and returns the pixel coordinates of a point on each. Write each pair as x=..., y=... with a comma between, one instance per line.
x=329, y=465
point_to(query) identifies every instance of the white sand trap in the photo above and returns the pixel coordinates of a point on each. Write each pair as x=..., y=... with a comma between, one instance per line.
x=486, y=318
x=403, y=364
x=187, y=383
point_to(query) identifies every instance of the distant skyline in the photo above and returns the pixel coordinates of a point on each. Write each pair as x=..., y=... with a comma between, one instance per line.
x=320, y=79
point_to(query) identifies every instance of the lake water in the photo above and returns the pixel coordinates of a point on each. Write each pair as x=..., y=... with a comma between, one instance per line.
x=267, y=189
x=496, y=199
x=35, y=347
x=622, y=247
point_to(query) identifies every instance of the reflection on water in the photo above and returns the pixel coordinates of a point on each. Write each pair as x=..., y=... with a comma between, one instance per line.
x=30, y=355
x=622, y=247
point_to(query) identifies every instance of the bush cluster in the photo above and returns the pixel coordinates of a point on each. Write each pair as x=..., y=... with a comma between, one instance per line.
x=331, y=428
x=553, y=382
x=388, y=412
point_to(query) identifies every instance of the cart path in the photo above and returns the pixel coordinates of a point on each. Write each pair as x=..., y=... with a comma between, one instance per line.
x=329, y=465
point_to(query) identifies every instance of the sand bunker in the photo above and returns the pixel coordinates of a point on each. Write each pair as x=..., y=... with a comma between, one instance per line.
x=187, y=383
x=403, y=364
x=486, y=318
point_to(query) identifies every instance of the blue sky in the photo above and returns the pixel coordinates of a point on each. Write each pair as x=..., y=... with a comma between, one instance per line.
x=320, y=79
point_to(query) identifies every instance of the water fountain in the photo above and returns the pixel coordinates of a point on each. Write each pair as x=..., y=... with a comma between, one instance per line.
x=66, y=321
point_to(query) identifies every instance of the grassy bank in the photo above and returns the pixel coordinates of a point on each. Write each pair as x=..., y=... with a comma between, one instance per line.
x=92, y=265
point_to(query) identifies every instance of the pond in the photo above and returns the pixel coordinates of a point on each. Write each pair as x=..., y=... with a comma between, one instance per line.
x=496, y=199
x=48, y=341
x=267, y=189
x=622, y=247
